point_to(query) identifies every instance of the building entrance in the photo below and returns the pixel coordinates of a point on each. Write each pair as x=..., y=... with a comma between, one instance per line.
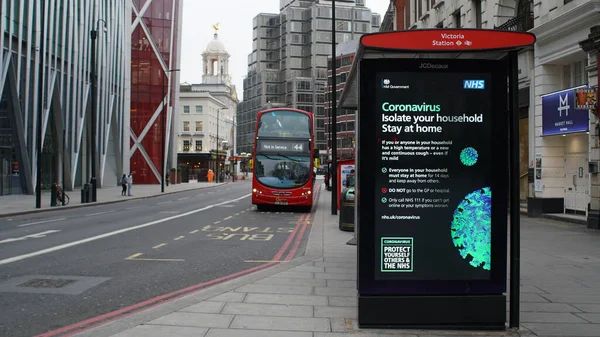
x=576, y=183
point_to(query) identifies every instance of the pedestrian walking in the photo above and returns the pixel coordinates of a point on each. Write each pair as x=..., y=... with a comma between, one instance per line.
x=129, y=183
x=124, y=185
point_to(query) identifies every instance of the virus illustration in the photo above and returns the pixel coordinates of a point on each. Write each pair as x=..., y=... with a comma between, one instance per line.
x=468, y=156
x=471, y=227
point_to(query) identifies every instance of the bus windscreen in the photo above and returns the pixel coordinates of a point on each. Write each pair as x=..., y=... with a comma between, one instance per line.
x=284, y=124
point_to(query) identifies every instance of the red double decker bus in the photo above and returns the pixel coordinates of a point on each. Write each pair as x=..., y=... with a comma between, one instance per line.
x=283, y=159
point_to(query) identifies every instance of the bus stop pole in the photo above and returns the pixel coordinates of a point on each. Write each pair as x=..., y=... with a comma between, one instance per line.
x=333, y=112
x=515, y=230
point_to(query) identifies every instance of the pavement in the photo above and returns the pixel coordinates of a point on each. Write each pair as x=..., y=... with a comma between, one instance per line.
x=315, y=295
x=24, y=204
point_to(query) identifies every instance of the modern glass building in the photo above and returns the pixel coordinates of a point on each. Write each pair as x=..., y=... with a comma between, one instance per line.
x=288, y=64
x=45, y=72
x=155, y=59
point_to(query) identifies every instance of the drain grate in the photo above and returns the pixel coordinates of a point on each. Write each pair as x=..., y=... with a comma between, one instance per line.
x=46, y=283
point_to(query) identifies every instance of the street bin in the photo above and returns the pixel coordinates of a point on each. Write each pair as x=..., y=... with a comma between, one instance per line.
x=86, y=193
x=346, y=218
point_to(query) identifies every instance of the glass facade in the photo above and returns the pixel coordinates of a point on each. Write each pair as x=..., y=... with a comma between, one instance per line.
x=65, y=92
x=153, y=54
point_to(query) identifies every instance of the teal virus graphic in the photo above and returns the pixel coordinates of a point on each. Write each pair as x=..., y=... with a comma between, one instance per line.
x=468, y=156
x=471, y=228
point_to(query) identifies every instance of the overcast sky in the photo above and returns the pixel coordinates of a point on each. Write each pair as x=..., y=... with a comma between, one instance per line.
x=235, y=30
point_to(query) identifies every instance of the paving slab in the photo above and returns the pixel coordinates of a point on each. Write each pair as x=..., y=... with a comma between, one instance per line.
x=281, y=323
x=293, y=281
x=229, y=297
x=276, y=289
x=253, y=309
x=590, y=317
x=286, y=299
x=554, y=329
x=550, y=317
x=336, y=312
x=206, y=307
x=546, y=307
x=194, y=319
x=162, y=331
x=335, y=291
x=254, y=333
x=341, y=284
x=587, y=307
x=343, y=301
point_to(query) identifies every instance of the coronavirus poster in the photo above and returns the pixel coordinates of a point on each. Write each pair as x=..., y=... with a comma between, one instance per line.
x=434, y=172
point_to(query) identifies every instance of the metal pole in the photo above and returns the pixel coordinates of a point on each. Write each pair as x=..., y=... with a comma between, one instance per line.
x=93, y=35
x=217, y=166
x=38, y=183
x=164, y=136
x=515, y=226
x=64, y=160
x=334, y=195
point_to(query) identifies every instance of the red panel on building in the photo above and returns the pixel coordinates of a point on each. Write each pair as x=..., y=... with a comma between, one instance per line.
x=151, y=56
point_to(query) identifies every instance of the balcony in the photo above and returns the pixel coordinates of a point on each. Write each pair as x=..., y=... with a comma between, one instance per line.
x=521, y=23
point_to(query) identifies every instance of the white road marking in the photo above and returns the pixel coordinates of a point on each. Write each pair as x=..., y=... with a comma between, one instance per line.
x=194, y=231
x=135, y=207
x=39, y=222
x=164, y=202
x=30, y=236
x=179, y=238
x=100, y=213
x=183, y=198
x=105, y=235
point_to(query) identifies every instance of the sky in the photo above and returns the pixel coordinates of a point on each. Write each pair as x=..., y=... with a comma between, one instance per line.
x=235, y=31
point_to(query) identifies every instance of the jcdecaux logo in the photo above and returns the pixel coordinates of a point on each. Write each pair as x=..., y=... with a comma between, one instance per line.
x=473, y=84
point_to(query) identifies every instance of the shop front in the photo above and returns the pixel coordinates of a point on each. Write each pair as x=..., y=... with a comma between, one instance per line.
x=193, y=166
x=561, y=171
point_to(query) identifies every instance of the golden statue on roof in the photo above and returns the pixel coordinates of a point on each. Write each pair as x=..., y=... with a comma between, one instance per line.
x=216, y=27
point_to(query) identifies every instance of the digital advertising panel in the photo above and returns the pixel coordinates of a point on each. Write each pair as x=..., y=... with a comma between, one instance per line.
x=433, y=142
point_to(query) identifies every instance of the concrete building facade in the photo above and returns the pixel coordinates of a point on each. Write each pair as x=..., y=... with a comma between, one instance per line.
x=49, y=43
x=288, y=64
x=559, y=147
x=207, y=116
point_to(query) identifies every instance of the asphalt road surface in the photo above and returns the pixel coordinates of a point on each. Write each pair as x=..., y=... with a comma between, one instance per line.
x=64, y=267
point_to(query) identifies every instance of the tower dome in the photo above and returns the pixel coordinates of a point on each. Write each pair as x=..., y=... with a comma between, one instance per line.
x=215, y=62
x=216, y=45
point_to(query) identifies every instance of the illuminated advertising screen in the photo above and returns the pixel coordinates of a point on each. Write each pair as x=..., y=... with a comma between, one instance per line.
x=433, y=146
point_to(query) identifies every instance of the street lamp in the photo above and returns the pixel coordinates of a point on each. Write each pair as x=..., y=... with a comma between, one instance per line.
x=164, y=130
x=40, y=114
x=333, y=111
x=93, y=35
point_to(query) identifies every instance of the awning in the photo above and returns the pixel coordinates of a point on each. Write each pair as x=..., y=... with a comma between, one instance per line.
x=431, y=43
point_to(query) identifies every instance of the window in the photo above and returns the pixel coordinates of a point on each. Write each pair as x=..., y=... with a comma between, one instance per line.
x=186, y=126
x=456, y=17
x=198, y=146
x=186, y=146
x=199, y=109
x=198, y=126
x=477, y=13
x=186, y=109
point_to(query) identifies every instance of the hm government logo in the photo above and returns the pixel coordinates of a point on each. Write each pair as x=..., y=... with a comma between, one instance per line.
x=563, y=105
x=432, y=66
x=386, y=84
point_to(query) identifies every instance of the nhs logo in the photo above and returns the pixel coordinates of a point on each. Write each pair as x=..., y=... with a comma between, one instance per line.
x=473, y=84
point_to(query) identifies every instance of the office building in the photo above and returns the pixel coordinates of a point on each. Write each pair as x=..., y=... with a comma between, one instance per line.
x=346, y=118
x=155, y=59
x=58, y=90
x=288, y=64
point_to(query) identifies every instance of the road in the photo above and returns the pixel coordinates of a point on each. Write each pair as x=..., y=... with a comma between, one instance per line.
x=63, y=267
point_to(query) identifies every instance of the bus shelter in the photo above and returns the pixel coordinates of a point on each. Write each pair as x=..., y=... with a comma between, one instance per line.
x=437, y=163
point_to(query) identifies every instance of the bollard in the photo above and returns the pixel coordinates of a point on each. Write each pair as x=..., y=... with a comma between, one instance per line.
x=53, y=195
x=346, y=218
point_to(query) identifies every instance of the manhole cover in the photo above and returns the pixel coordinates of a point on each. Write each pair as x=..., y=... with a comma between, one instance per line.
x=46, y=283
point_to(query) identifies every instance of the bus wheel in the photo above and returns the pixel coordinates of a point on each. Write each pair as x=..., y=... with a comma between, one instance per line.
x=305, y=209
x=261, y=208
